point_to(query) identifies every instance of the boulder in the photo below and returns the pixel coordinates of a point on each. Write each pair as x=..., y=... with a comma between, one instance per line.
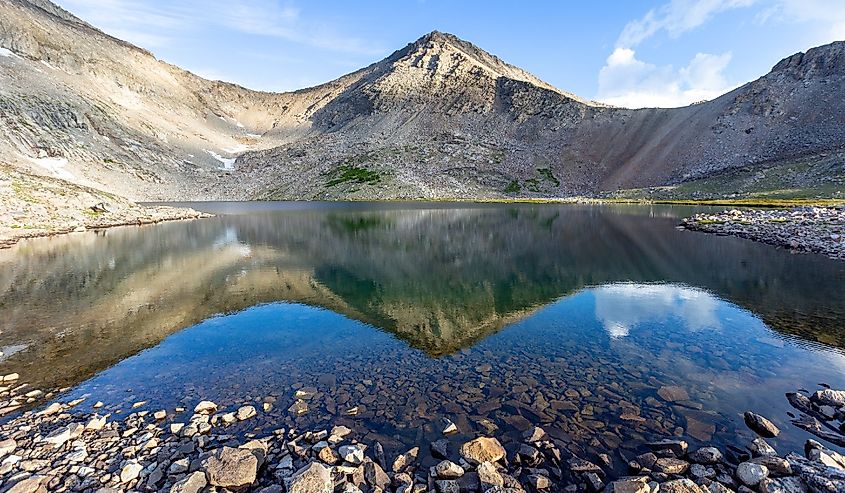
x=483, y=449
x=193, y=483
x=231, y=468
x=313, y=478
x=751, y=473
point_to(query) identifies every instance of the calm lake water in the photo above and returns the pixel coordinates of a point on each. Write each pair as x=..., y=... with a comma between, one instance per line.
x=605, y=325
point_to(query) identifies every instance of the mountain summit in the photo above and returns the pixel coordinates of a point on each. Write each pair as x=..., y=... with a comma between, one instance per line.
x=439, y=118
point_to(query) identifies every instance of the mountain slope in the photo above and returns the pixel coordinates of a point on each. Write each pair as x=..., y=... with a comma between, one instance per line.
x=440, y=118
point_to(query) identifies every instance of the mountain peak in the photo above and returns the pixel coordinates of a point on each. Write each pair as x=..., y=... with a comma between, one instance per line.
x=440, y=49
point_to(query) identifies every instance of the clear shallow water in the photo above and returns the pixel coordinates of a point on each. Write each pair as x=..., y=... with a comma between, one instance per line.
x=493, y=316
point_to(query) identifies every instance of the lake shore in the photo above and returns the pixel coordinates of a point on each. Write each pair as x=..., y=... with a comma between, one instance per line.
x=63, y=447
x=801, y=229
x=102, y=216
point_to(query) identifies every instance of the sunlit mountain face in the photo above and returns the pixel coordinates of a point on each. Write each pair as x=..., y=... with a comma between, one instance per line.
x=563, y=315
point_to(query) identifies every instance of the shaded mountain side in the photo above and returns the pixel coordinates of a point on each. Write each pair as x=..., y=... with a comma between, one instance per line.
x=425, y=276
x=439, y=118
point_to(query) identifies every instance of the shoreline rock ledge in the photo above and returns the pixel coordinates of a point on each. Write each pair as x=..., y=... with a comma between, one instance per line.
x=801, y=229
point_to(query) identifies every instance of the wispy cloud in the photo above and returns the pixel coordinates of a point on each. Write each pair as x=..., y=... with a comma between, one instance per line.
x=827, y=17
x=675, y=18
x=152, y=23
x=628, y=81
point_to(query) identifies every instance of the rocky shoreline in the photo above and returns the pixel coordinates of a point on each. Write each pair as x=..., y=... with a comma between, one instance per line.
x=64, y=447
x=135, y=216
x=802, y=229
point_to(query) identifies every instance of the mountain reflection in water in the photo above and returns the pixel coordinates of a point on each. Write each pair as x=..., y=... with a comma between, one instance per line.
x=438, y=278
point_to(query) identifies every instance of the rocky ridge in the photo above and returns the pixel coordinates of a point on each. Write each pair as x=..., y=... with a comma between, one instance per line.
x=439, y=118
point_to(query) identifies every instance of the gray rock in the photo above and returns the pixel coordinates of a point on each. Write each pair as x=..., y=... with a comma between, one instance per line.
x=701, y=471
x=440, y=448
x=678, y=447
x=313, y=478
x=672, y=393
x=680, y=486
x=375, y=476
x=760, y=447
x=231, y=467
x=32, y=484
x=489, y=476
x=776, y=465
x=193, y=483
x=448, y=470
x=445, y=486
x=717, y=487
x=818, y=477
x=706, y=455
x=668, y=465
x=404, y=461
x=60, y=436
x=540, y=482
x=761, y=425
x=353, y=454
x=130, y=471
x=7, y=446
x=751, y=474
x=782, y=485
x=819, y=453
x=630, y=486
x=594, y=482
x=829, y=397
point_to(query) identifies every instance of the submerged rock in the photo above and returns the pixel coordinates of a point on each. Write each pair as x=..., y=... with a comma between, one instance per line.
x=761, y=425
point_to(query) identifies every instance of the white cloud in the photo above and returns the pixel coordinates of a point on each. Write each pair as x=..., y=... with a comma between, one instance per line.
x=620, y=308
x=676, y=18
x=153, y=24
x=825, y=18
x=629, y=82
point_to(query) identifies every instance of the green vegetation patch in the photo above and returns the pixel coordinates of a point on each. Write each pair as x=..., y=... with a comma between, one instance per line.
x=537, y=184
x=348, y=173
x=547, y=175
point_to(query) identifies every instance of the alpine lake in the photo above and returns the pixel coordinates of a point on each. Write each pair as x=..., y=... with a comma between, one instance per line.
x=606, y=325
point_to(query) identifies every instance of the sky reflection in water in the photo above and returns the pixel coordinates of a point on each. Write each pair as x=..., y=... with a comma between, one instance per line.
x=581, y=313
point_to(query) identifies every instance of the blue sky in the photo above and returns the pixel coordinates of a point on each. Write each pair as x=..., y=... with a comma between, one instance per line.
x=629, y=53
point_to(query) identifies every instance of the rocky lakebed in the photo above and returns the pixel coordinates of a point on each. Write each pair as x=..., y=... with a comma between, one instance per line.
x=80, y=446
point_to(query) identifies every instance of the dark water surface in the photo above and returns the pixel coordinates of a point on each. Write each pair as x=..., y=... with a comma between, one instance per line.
x=569, y=317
